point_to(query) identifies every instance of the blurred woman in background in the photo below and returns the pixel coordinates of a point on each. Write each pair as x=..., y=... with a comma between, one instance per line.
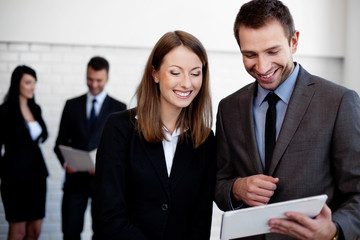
x=22, y=167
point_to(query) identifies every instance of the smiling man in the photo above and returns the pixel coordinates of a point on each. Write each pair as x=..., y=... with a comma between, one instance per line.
x=289, y=134
x=81, y=126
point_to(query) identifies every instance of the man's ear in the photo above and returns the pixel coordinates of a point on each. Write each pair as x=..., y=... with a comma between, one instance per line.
x=294, y=42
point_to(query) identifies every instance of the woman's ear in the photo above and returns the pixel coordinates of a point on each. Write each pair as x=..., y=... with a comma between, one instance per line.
x=155, y=75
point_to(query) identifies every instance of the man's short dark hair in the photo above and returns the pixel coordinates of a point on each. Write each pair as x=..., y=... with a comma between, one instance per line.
x=99, y=63
x=257, y=13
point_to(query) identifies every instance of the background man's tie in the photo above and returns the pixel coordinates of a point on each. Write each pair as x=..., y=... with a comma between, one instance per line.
x=92, y=115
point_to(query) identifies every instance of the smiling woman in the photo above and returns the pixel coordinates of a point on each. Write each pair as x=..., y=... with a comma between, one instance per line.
x=155, y=166
x=176, y=51
x=179, y=79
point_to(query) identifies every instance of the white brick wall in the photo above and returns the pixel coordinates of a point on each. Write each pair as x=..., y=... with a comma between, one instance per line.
x=61, y=73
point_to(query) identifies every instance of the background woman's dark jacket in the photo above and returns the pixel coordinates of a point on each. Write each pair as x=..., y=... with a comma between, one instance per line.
x=22, y=159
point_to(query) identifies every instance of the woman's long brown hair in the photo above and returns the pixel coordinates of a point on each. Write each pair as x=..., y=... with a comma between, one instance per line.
x=197, y=117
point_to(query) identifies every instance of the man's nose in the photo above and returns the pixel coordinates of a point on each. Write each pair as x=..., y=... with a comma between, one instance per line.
x=263, y=65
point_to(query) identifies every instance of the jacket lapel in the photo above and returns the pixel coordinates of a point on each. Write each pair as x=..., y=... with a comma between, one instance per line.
x=155, y=154
x=82, y=113
x=104, y=110
x=184, y=155
x=247, y=125
x=299, y=102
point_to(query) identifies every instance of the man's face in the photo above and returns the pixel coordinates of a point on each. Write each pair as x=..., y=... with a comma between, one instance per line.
x=96, y=80
x=267, y=55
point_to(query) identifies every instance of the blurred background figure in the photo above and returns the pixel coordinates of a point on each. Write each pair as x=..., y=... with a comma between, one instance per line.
x=22, y=167
x=81, y=126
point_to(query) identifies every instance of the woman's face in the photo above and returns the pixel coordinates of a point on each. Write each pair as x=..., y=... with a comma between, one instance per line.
x=180, y=78
x=27, y=86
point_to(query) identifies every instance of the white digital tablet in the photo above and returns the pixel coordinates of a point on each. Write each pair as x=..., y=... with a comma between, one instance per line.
x=78, y=159
x=254, y=220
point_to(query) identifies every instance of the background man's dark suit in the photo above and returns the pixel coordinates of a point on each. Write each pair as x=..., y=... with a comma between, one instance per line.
x=74, y=132
x=317, y=151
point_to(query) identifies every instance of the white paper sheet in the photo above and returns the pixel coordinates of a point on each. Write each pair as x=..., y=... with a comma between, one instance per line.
x=254, y=220
x=80, y=160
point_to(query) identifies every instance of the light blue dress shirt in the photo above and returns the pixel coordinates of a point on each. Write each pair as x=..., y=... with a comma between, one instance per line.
x=99, y=102
x=260, y=107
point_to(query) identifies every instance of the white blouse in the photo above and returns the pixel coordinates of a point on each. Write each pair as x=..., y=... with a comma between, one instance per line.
x=169, y=147
x=34, y=129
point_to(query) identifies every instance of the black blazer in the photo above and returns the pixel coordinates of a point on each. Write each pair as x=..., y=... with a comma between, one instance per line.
x=23, y=159
x=135, y=198
x=74, y=131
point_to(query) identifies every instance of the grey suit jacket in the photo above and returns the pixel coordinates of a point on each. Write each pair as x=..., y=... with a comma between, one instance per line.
x=317, y=151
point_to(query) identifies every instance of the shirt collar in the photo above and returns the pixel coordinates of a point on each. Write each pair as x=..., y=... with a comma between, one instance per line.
x=176, y=133
x=284, y=91
x=99, y=98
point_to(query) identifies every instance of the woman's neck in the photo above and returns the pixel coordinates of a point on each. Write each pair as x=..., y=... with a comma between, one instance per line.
x=23, y=101
x=169, y=118
x=25, y=110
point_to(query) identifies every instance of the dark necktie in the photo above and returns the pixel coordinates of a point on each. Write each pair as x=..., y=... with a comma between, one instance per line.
x=92, y=115
x=270, y=128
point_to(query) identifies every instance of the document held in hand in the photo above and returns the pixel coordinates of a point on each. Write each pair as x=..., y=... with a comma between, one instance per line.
x=254, y=220
x=80, y=160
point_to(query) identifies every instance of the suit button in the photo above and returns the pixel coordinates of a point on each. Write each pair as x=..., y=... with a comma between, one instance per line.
x=164, y=207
